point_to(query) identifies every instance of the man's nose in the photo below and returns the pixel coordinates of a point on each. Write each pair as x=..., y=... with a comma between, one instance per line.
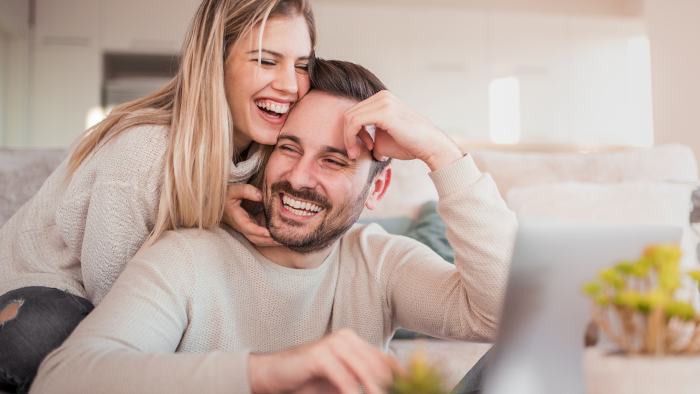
x=286, y=80
x=302, y=175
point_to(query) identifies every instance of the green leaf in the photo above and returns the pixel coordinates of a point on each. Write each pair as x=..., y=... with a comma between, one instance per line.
x=612, y=277
x=695, y=275
x=628, y=299
x=592, y=288
x=683, y=310
x=425, y=378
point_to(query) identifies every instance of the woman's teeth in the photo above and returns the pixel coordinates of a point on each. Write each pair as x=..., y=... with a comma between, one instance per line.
x=299, y=207
x=273, y=110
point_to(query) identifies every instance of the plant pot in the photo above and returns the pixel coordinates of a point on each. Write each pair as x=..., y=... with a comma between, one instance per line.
x=613, y=372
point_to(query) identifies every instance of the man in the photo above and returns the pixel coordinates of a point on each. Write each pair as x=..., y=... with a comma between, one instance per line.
x=312, y=314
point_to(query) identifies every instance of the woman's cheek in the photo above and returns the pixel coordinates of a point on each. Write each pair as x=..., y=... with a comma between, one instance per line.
x=304, y=85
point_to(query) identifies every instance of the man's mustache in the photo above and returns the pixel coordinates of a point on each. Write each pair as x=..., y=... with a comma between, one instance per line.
x=304, y=194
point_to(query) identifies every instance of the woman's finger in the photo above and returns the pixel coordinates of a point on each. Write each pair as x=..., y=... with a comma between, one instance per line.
x=248, y=225
x=240, y=220
x=262, y=241
x=243, y=192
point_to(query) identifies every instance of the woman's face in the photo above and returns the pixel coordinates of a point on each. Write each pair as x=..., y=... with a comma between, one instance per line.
x=259, y=97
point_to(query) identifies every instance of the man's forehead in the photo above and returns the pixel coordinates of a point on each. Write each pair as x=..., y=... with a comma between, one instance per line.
x=318, y=118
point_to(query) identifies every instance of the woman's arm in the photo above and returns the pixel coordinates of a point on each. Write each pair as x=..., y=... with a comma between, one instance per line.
x=116, y=226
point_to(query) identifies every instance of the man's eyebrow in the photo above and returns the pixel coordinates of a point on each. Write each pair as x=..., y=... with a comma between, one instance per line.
x=292, y=138
x=326, y=148
x=331, y=149
x=275, y=54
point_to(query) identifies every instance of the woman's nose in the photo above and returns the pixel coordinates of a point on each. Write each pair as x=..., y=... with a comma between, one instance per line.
x=286, y=80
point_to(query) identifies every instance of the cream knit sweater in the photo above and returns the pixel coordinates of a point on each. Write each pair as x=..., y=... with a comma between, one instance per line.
x=77, y=236
x=211, y=298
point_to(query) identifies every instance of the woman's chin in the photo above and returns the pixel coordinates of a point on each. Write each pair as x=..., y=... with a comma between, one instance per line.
x=266, y=137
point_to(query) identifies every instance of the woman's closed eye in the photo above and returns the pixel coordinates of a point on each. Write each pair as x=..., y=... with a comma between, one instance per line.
x=264, y=62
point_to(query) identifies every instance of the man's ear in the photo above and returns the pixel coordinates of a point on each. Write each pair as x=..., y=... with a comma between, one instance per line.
x=379, y=186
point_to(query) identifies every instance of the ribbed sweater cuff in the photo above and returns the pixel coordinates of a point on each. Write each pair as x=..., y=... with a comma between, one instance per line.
x=455, y=176
x=233, y=373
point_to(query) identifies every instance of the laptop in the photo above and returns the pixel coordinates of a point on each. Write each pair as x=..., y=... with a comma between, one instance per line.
x=540, y=342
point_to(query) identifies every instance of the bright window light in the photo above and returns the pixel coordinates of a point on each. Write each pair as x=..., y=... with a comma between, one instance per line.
x=639, y=91
x=504, y=110
x=94, y=116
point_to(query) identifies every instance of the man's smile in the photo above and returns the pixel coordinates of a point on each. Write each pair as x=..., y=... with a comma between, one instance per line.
x=299, y=207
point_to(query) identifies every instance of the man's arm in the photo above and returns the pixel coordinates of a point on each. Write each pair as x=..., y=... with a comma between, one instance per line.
x=125, y=345
x=128, y=344
x=424, y=293
x=462, y=301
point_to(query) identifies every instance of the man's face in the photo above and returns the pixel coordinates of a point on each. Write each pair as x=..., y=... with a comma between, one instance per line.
x=313, y=193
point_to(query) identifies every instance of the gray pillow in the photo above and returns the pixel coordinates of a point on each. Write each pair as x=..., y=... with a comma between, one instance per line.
x=431, y=230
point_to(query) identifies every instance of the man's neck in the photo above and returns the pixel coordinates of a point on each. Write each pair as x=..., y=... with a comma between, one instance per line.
x=286, y=257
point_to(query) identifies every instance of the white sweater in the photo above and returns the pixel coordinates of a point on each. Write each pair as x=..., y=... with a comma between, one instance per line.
x=210, y=298
x=78, y=235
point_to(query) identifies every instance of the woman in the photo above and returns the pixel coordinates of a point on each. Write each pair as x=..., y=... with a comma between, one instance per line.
x=154, y=164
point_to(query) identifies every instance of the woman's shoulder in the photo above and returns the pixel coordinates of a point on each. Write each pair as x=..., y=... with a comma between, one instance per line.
x=139, y=138
x=134, y=155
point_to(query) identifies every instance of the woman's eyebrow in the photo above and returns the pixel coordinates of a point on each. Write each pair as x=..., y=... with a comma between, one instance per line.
x=275, y=54
x=269, y=52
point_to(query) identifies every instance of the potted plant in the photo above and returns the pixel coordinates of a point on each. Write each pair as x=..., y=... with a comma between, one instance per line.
x=639, y=306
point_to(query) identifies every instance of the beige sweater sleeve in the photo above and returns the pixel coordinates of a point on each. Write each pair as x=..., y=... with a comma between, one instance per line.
x=127, y=344
x=427, y=294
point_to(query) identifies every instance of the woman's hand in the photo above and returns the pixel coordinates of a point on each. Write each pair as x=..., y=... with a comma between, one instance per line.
x=240, y=220
x=401, y=132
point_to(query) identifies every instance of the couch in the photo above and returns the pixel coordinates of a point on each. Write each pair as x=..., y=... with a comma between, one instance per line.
x=651, y=185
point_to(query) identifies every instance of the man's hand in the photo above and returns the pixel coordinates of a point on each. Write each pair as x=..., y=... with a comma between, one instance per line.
x=334, y=364
x=240, y=220
x=401, y=132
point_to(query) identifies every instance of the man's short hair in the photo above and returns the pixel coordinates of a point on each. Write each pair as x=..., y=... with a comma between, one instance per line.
x=351, y=81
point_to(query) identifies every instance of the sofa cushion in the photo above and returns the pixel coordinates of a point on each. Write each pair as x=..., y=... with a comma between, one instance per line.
x=669, y=162
x=22, y=172
x=628, y=202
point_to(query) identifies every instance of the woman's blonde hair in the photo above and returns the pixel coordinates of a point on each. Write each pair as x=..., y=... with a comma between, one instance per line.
x=194, y=106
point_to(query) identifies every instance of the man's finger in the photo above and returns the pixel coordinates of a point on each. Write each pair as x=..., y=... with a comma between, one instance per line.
x=397, y=368
x=354, y=126
x=366, y=139
x=338, y=375
x=351, y=146
x=367, y=366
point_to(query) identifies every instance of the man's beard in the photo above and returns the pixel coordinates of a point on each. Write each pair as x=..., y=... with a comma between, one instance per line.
x=337, y=220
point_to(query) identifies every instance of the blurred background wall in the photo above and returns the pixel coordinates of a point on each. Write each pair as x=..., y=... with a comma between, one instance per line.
x=524, y=72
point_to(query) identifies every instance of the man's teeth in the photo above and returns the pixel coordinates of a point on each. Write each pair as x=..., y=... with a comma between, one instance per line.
x=280, y=109
x=300, y=208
